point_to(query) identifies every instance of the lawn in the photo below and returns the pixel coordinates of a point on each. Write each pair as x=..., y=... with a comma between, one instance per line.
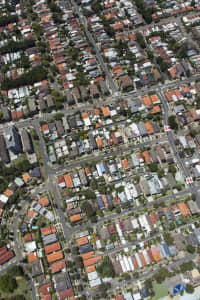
x=160, y=291
x=22, y=289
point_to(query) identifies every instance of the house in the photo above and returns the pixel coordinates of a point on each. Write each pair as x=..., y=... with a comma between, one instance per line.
x=62, y=281
x=37, y=268
x=144, y=186
x=5, y=255
x=54, y=256
x=27, y=141
x=94, y=93
x=76, y=94
x=45, y=290
x=193, y=207
x=125, y=82
x=58, y=266
x=13, y=140
x=171, y=180
x=104, y=233
x=104, y=88
x=84, y=94
x=59, y=127
x=49, y=239
x=194, y=277
x=4, y=155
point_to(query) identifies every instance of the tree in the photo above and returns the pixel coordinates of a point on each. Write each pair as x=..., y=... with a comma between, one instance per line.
x=7, y=284
x=140, y=39
x=16, y=271
x=89, y=194
x=148, y=283
x=59, y=116
x=189, y=289
x=172, y=122
x=106, y=268
x=186, y=266
x=1, y=116
x=168, y=238
x=161, y=173
x=88, y=209
x=153, y=167
x=103, y=289
x=191, y=249
x=193, y=197
x=17, y=297
x=29, y=78
x=126, y=276
x=172, y=169
x=161, y=275
x=97, y=7
x=78, y=262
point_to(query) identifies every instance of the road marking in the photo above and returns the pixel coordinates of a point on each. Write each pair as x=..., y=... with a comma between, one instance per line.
x=189, y=180
x=167, y=128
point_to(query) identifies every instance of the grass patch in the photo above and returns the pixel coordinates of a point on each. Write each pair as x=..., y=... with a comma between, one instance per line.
x=22, y=289
x=160, y=291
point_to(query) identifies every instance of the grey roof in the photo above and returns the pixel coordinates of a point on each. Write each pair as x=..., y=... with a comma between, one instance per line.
x=133, y=106
x=76, y=93
x=160, y=153
x=193, y=207
x=153, y=155
x=69, y=97
x=52, y=127
x=62, y=281
x=83, y=91
x=171, y=180
x=65, y=123
x=127, y=225
x=31, y=104
x=104, y=87
x=35, y=172
x=42, y=104
x=93, y=90
x=82, y=176
x=85, y=248
x=92, y=141
x=49, y=239
x=191, y=239
x=6, y=113
x=104, y=233
x=179, y=109
x=142, y=129
x=26, y=141
x=135, y=160
x=3, y=150
x=37, y=268
x=13, y=140
x=144, y=186
x=59, y=127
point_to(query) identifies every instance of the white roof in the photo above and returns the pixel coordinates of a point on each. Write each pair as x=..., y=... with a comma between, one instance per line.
x=30, y=246
x=3, y=198
x=93, y=275
x=95, y=282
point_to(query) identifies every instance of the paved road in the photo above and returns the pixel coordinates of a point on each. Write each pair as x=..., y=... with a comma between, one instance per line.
x=129, y=210
x=103, y=155
x=171, y=139
x=92, y=41
x=51, y=184
x=17, y=247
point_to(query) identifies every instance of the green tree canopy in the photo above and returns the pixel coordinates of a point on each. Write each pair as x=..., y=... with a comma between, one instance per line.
x=106, y=268
x=7, y=284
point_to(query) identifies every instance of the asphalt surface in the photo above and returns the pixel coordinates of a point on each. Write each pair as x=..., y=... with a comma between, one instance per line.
x=171, y=140
x=92, y=41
